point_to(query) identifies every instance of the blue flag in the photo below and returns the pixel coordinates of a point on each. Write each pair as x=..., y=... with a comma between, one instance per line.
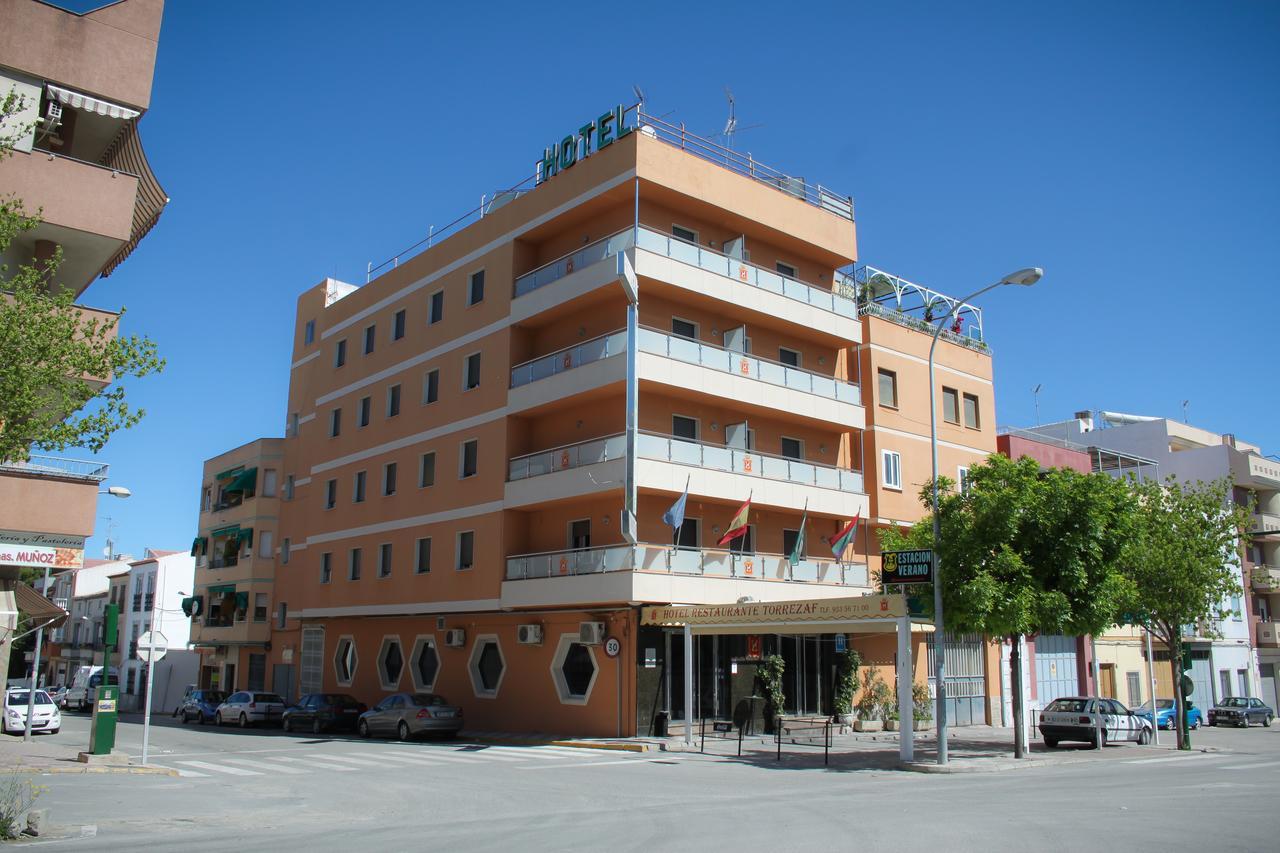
x=674, y=517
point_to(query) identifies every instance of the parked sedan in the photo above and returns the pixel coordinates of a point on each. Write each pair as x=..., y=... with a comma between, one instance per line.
x=1092, y=720
x=45, y=717
x=249, y=707
x=1165, y=717
x=316, y=712
x=407, y=714
x=1240, y=711
x=200, y=705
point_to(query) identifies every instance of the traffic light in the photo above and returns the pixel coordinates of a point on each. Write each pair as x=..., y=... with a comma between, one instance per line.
x=111, y=626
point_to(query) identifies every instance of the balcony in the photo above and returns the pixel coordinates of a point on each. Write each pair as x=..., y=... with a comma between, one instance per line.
x=53, y=466
x=658, y=573
x=569, y=358
x=1269, y=635
x=1266, y=522
x=1265, y=579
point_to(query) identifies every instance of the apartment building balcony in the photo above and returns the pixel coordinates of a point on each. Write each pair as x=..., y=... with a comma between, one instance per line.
x=1265, y=579
x=565, y=374
x=666, y=463
x=690, y=267
x=660, y=574
x=243, y=633
x=1269, y=635
x=1254, y=471
x=1266, y=523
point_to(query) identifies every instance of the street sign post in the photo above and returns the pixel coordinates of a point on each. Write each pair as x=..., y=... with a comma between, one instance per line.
x=906, y=567
x=152, y=647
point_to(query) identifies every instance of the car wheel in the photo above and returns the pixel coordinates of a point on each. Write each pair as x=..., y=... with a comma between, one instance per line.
x=200, y=718
x=1099, y=738
x=1266, y=721
x=217, y=718
x=244, y=721
x=316, y=728
x=1051, y=742
x=1195, y=724
x=402, y=730
x=363, y=728
x=286, y=724
x=1144, y=736
x=185, y=718
x=54, y=731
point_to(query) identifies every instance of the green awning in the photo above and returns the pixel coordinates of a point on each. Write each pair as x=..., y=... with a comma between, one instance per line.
x=230, y=530
x=199, y=546
x=245, y=481
x=225, y=589
x=242, y=601
x=230, y=472
x=193, y=606
x=246, y=535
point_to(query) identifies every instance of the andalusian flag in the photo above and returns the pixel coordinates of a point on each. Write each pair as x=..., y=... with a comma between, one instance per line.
x=845, y=537
x=738, y=526
x=798, y=551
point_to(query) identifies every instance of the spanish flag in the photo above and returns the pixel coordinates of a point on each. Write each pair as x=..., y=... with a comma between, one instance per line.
x=845, y=537
x=738, y=526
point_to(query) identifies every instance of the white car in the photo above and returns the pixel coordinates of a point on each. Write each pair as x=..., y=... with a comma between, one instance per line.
x=46, y=717
x=248, y=707
x=1092, y=720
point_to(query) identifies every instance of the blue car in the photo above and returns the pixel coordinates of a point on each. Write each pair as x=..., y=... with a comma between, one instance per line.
x=1164, y=714
x=200, y=705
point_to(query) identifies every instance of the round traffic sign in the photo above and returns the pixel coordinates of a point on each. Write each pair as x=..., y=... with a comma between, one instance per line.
x=612, y=647
x=152, y=646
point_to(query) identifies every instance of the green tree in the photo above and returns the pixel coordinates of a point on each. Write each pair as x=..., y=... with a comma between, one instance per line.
x=49, y=345
x=1025, y=551
x=1183, y=563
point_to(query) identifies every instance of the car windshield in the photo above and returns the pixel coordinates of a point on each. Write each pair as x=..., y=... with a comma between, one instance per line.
x=24, y=697
x=213, y=696
x=338, y=699
x=267, y=697
x=1234, y=703
x=1164, y=704
x=1073, y=706
x=425, y=699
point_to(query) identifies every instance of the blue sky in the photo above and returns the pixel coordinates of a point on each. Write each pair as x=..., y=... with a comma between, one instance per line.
x=1129, y=149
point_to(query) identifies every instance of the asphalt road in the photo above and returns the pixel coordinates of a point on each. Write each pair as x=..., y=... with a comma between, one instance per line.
x=258, y=788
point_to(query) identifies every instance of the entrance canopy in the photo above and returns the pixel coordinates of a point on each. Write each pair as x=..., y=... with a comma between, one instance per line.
x=856, y=614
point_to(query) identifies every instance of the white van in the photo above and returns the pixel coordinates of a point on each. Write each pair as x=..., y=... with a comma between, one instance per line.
x=86, y=680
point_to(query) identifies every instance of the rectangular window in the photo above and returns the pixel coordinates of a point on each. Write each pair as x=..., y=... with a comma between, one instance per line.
x=683, y=427
x=1235, y=608
x=423, y=564
x=1224, y=679
x=892, y=464
x=340, y=353
x=686, y=234
x=436, y=312
x=259, y=607
x=466, y=549
x=384, y=560
x=950, y=405
x=288, y=487
x=785, y=269
x=475, y=288
x=792, y=448
x=469, y=458
x=357, y=488
x=888, y=388
x=353, y=564
x=293, y=424
x=284, y=550
x=789, y=356
x=283, y=615
x=471, y=372
x=393, y=401
x=690, y=533
x=265, y=544
x=362, y=412
x=962, y=478
x=1242, y=677
x=971, y=411
x=309, y=333
x=389, y=479
x=1133, y=681
x=789, y=538
x=335, y=423
x=330, y=494
x=684, y=329
x=326, y=567
x=427, y=470
x=269, y=481
x=431, y=386
x=397, y=326
x=370, y=333
x=580, y=534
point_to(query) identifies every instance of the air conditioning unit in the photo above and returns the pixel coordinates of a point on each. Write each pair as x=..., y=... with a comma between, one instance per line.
x=52, y=116
x=591, y=633
x=529, y=635
x=455, y=638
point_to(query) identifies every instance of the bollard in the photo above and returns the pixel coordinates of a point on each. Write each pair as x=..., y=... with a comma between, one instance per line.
x=777, y=735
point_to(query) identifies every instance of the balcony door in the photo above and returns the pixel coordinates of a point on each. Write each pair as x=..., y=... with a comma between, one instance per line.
x=580, y=534
x=737, y=436
x=735, y=340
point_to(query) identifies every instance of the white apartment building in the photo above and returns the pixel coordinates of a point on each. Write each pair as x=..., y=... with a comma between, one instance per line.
x=153, y=597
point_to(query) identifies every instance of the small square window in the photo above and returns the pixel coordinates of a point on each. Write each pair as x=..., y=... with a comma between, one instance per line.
x=397, y=326
x=362, y=412
x=431, y=386
x=684, y=329
x=475, y=288
x=423, y=564
x=789, y=357
x=683, y=427
x=309, y=333
x=892, y=465
x=471, y=372
x=950, y=405
x=384, y=560
x=393, y=401
x=427, y=470
x=353, y=564
x=335, y=423
x=357, y=490
x=370, y=333
x=469, y=459
x=971, y=419
x=326, y=567
x=686, y=234
x=259, y=607
x=436, y=312
x=330, y=494
x=340, y=353
x=389, y=479
x=792, y=448
x=888, y=388
x=466, y=549
x=785, y=269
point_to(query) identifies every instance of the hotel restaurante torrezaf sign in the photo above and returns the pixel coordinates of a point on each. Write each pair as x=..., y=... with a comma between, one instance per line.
x=833, y=610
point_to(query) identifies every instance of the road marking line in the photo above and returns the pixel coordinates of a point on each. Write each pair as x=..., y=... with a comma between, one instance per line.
x=437, y=757
x=218, y=768
x=264, y=765
x=484, y=754
x=526, y=753
x=191, y=774
x=362, y=762
x=1249, y=766
x=313, y=762
x=420, y=761
x=664, y=760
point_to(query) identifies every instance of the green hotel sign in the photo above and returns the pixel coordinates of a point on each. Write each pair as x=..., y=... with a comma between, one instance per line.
x=591, y=137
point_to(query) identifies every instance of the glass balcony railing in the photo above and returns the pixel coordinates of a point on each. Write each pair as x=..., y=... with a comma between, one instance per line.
x=579, y=260
x=570, y=456
x=706, y=562
x=748, y=366
x=586, y=352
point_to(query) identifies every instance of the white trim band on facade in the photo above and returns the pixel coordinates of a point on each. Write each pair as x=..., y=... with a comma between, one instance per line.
x=401, y=523
x=472, y=256
x=306, y=418
x=306, y=358
x=420, y=608
x=302, y=481
x=925, y=438
x=918, y=360
x=410, y=440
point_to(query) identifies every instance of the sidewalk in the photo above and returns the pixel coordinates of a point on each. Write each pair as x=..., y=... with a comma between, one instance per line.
x=57, y=754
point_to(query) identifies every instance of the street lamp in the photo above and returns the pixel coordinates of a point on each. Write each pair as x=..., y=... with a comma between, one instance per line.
x=115, y=492
x=1024, y=278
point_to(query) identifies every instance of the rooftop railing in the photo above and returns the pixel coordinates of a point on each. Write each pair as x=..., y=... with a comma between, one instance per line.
x=53, y=466
x=704, y=562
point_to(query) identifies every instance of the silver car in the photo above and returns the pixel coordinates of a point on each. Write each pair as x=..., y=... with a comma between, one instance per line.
x=404, y=715
x=45, y=718
x=1094, y=720
x=249, y=707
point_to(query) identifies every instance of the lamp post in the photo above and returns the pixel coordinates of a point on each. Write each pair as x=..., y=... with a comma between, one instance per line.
x=1024, y=278
x=115, y=492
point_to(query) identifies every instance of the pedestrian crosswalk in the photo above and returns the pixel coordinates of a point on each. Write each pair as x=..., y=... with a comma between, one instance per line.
x=342, y=758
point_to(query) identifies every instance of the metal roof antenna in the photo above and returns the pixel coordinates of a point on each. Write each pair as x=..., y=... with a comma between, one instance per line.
x=731, y=123
x=639, y=96
x=1185, y=403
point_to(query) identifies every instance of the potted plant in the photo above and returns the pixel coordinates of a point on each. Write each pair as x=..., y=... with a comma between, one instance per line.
x=769, y=685
x=871, y=701
x=847, y=664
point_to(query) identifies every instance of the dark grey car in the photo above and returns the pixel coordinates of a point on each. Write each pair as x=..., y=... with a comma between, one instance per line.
x=1240, y=711
x=404, y=715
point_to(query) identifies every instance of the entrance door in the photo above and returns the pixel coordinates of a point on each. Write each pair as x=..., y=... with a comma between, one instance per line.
x=1107, y=677
x=282, y=675
x=580, y=534
x=1268, y=684
x=1056, y=672
x=228, y=677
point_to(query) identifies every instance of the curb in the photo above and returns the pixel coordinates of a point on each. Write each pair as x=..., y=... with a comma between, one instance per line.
x=136, y=770
x=573, y=744
x=948, y=769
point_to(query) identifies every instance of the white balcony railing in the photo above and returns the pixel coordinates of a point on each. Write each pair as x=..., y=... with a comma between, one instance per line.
x=568, y=358
x=748, y=366
x=569, y=456
x=706, y=562
x=56, y=466
x=1266, y=522
x=579, y=260
x=1265, y=579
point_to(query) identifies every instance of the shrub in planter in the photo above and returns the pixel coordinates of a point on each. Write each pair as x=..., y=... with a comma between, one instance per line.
x=769, y=685
x=847, y=665
x=873, y=697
